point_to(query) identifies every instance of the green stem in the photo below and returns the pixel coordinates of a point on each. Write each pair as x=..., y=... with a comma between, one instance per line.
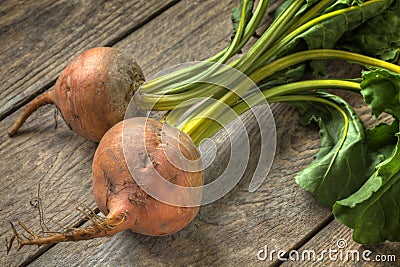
x=271, y=94
x=170, y=83
x=275, y=50
x=194, y=127
x=168, y=102
x=311, y=14
x=232, y=97
x=311, y=98
x=201, y=121
x=282, y=31
x=179, y=117
x=203, y=90
x=272, y=33
x=301, y=86
x=238, y=36
x=268, y=38
x=250, y=29
x=299, y=57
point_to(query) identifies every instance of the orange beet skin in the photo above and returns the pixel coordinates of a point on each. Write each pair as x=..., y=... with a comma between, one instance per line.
x=115, y=190
x=92, y=92
x=149, y=149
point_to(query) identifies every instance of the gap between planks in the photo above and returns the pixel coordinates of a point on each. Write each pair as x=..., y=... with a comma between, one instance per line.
x=8, y=111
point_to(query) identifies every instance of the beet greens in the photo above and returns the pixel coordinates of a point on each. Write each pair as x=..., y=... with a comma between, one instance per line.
x=356, y=170
x=350, y=172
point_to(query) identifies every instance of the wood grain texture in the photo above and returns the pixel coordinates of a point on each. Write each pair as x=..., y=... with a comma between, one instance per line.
x=228, y=232
x=56, y=159
x=57, y=148
x=336, y=240
x=191, y=31
x=38, y=39
x=231, y=230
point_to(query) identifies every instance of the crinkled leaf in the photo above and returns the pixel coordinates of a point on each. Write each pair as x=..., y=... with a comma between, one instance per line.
x=340, y=4
x=378, y=37
x=303, y=8
x=381, y=91
x=237, y=12
x=374, y=210
x=340, y=167
x=380, y=141
x=327, y=33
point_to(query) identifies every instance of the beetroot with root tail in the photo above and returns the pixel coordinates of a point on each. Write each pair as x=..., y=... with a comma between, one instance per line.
x=150, y=148
x=92, y=92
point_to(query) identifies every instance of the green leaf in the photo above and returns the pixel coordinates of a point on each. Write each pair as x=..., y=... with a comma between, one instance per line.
x=380, y=141
x=340, y=4
x=237, y=12
x=378, y=37
x=302, y=10
x=381, y=91
x=374, y=210
x=341, y=165
x=327, y=33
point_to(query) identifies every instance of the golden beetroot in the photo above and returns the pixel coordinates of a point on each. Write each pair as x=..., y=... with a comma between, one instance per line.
x=150, y=149
x=92, y=92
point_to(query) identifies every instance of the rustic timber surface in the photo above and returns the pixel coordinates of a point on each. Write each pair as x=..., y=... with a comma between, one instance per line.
x=38, y=38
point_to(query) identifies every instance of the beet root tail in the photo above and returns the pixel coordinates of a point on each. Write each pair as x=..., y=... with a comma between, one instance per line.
x=105, y=227
x=40, y=100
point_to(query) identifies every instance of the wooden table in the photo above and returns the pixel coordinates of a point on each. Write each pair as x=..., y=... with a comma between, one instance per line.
x=38, y=38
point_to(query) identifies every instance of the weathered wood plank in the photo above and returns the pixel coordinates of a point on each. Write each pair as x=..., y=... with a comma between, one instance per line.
x=333, y=246
x=232, y=230
x=64, y=158
x=228, y=232
x=192, y=31
x=38, y=38
x=54, y=158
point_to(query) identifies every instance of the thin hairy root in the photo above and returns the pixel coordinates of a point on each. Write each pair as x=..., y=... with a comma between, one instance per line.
x=91, y=215
x=40, y=211
x=9, y=243
x=105, y=227
x=29, y=231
